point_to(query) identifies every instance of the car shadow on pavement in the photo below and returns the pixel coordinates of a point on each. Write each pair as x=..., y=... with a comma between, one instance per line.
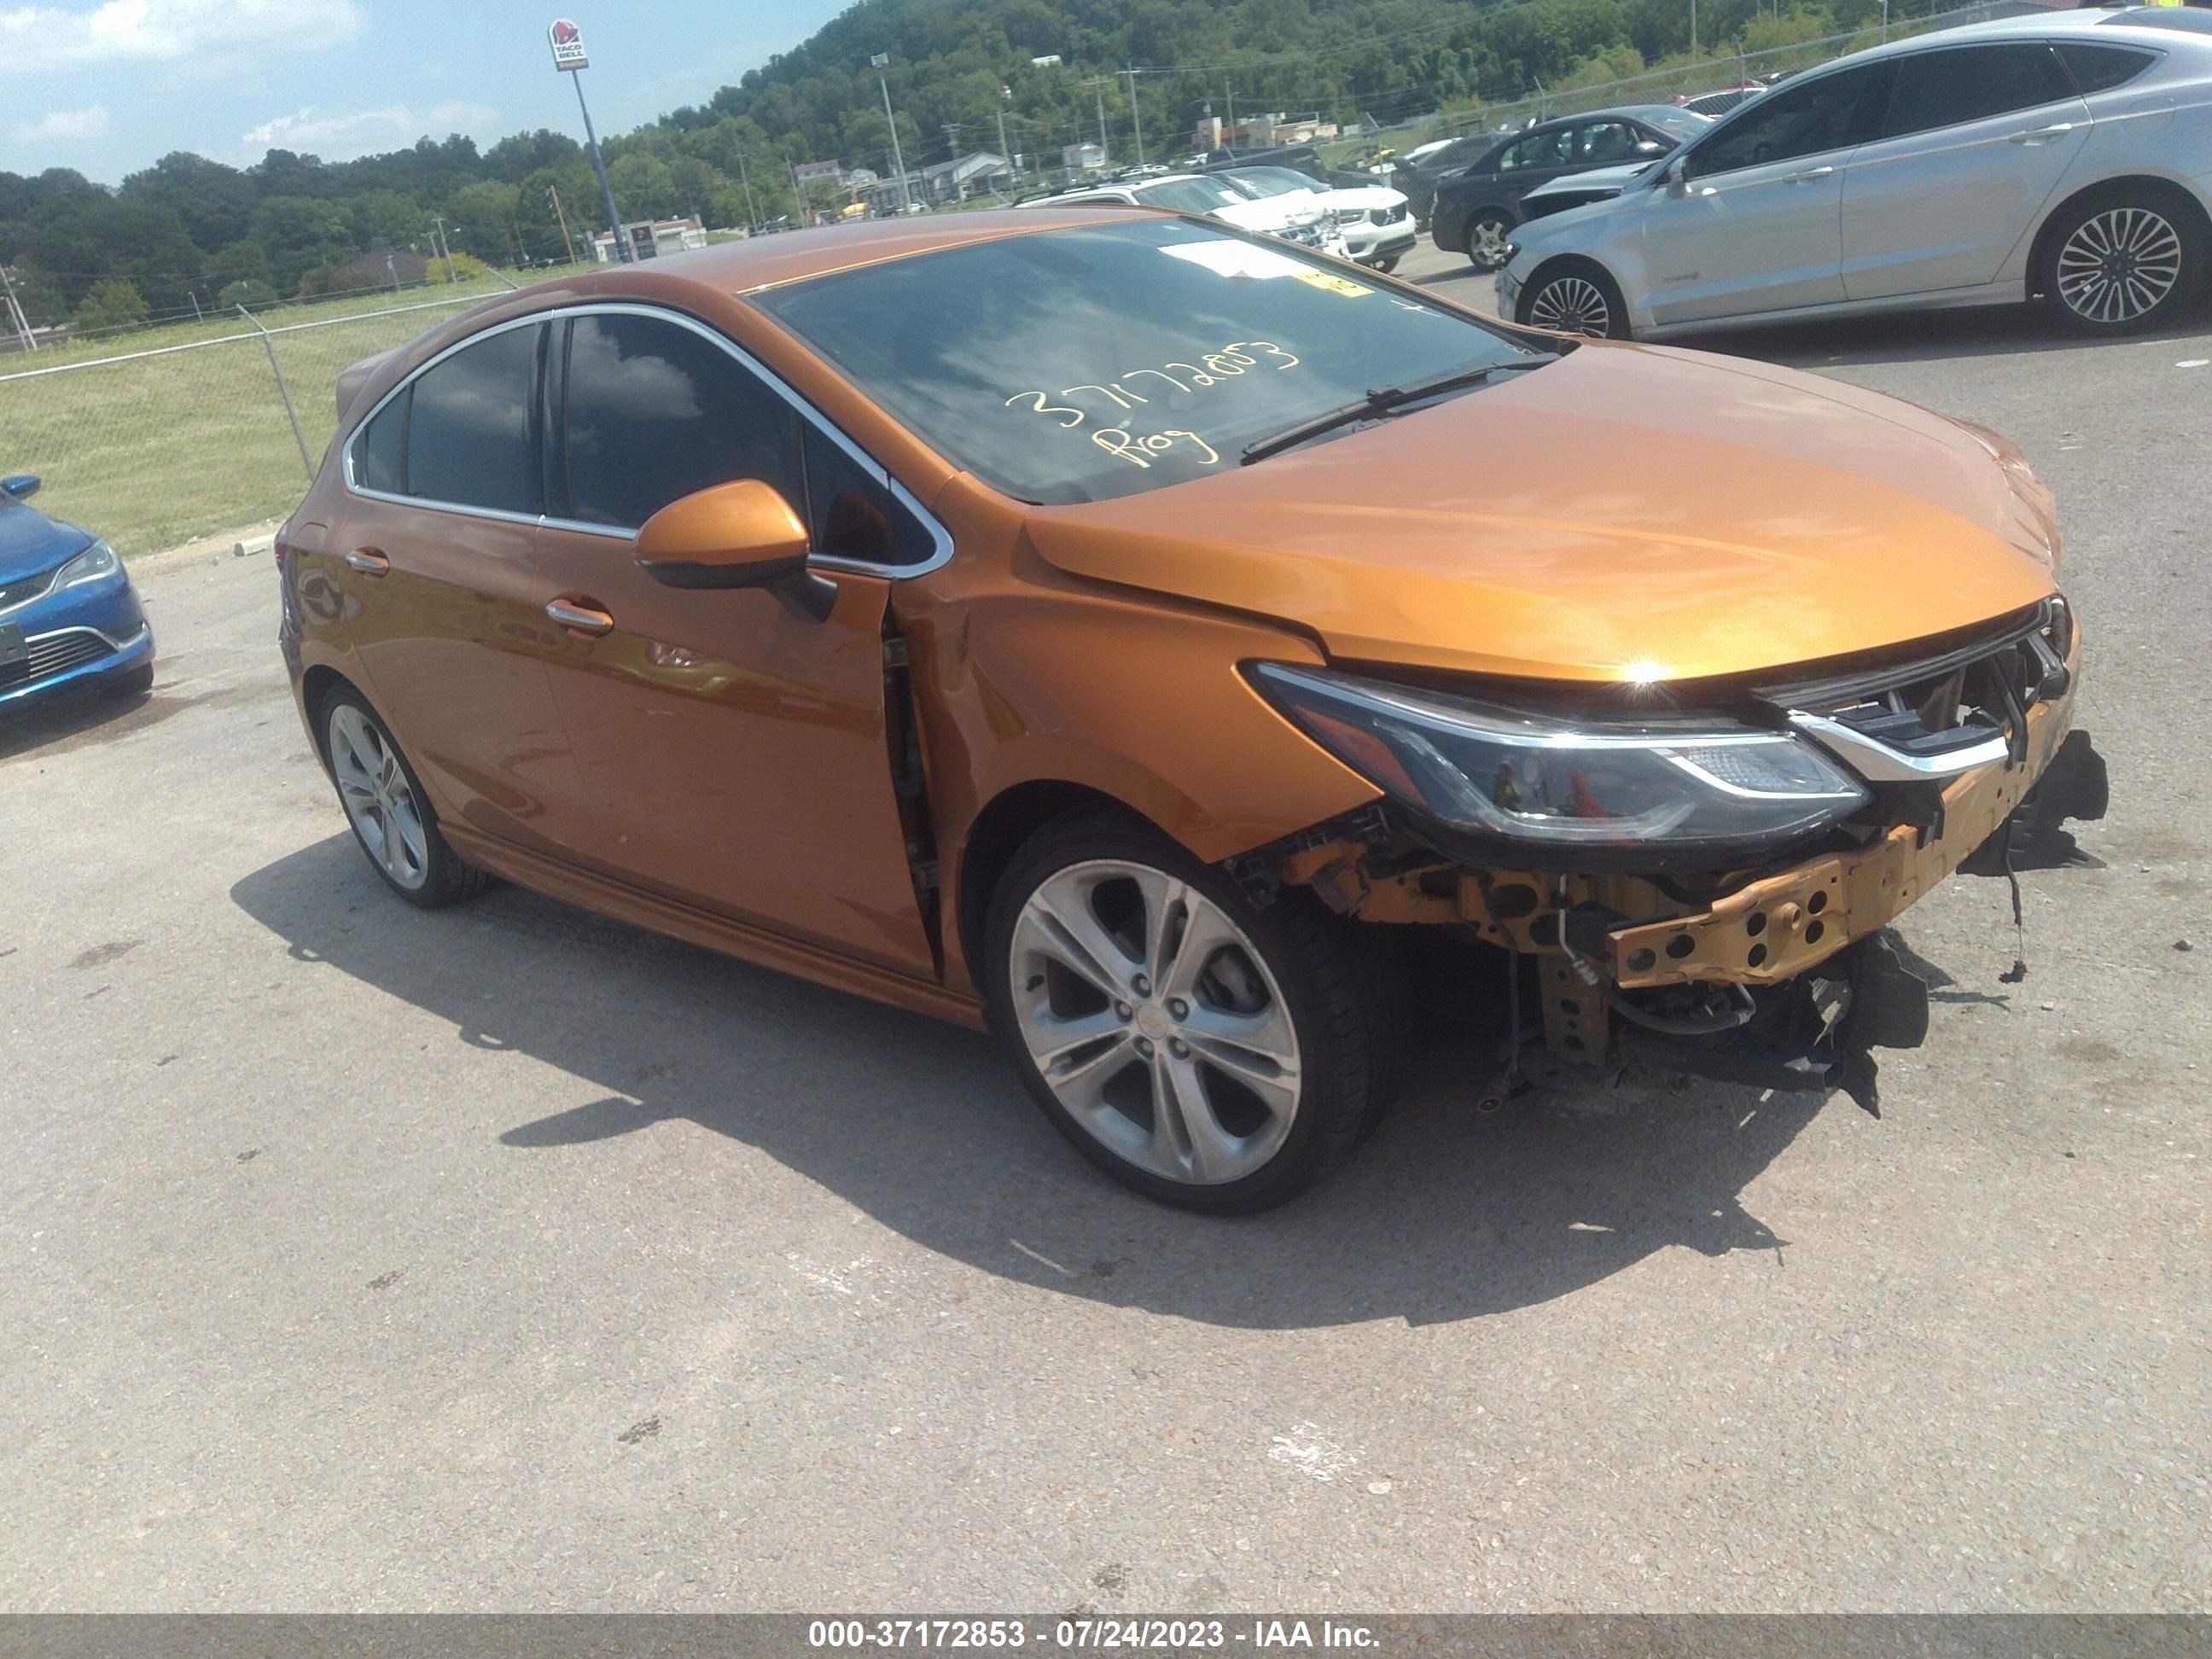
x=70, y=718
x=1443, y=1215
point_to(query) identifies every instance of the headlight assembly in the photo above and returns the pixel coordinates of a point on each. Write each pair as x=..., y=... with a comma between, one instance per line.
x=1563, y=786
x=95, y=561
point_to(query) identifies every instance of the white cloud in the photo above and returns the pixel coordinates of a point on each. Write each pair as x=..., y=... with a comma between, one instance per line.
x=337, y=134
x=64, y=125
x=171, y=29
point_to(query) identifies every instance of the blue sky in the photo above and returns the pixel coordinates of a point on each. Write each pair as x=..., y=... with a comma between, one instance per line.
x=108, y=88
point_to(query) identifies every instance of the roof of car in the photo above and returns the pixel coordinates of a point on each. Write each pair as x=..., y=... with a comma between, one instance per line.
x=761, y=262
x=2035, y=26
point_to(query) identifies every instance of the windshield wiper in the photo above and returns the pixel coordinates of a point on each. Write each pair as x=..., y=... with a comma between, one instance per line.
x=1382, y=401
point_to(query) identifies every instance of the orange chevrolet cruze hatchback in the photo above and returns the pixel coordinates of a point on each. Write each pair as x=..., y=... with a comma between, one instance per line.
x=1176, y=653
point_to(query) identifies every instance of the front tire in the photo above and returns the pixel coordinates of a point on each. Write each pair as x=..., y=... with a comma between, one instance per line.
x=1575, y=297
x=2123, y=262
x=1386, y=266
x=1209, y=1054
x=1489, y=233
x=393, y=819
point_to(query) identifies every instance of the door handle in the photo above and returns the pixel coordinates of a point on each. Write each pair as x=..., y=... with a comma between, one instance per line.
x=580, y=618
x=368, y=561
x=2043, y=135
x=1807, y=176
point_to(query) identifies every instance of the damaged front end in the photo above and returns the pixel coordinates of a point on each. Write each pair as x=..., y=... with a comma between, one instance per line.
x=1699, y=877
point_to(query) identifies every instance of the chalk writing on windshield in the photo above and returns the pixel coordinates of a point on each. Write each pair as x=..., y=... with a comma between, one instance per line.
x=1232, y=360
x=1119, y=441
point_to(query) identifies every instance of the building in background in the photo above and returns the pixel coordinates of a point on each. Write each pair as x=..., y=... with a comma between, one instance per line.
x=1273, y=131
x=649, y=238
x=1082, y=158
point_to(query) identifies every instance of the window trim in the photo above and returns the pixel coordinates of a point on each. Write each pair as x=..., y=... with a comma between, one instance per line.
x=546, y=420
x=1688, y=150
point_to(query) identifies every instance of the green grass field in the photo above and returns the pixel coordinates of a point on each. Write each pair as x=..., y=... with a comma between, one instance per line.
x=151, y=452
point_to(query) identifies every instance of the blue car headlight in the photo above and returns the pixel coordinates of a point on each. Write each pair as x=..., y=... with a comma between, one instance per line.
x=1559, y=781
x=95, y=562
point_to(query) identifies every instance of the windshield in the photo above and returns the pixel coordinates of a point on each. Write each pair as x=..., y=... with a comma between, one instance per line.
x=1100, y=360
x=1270, y=181
x=1187, y=195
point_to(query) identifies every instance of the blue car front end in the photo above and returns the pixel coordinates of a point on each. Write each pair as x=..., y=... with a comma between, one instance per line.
x=69, y=618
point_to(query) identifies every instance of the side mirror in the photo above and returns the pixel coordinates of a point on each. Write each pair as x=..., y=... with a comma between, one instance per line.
x=1650, y=147
x=739, y=534
x=22, y=485
x=1678, y=175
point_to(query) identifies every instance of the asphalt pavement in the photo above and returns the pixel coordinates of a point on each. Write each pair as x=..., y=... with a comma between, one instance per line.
x=506, y=1258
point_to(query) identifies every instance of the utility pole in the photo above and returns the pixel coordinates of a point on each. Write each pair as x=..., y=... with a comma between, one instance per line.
x=1136, y=121
x=554, y=191
x=569, y=59
x=391, y=269
x=1005, y=154
x=797, y=196
x=16, y=311
x=752, y=212
x=1231, y=86
x=444, y=251
x=880, y=62
x=1693, y=27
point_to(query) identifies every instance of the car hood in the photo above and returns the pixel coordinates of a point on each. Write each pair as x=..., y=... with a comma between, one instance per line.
x=1577, y=184
x=31, y=541
x=1273, y=212
x=1351, y=197
x=1628, y=512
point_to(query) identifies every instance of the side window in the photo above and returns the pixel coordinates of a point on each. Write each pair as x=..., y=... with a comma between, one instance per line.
x=655, y=412
x=379, y=452
x=1821, y=114
x=1606, y=140
x=471, y=436
x=851, y=516
x=1972, y=83
x=2099, y=68
x=1543, y=149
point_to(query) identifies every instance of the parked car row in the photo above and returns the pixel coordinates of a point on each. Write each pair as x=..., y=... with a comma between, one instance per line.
x=1368, y=223
x=2066, y=157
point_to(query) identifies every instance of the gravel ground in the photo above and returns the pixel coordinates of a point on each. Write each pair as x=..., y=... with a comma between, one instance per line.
x=509, y=1258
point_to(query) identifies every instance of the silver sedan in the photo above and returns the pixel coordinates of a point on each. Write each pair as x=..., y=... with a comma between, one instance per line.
x=2066, y=157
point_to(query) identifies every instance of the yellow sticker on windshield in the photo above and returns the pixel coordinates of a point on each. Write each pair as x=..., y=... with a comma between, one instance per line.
x=1330, y=283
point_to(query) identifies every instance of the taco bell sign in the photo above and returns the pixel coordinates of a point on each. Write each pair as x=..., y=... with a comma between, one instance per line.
x=568, y=45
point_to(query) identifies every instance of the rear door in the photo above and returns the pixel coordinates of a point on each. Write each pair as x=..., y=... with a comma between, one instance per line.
x=738, y=747
x=1972, y=142
x=432, y=554
x=1757, y=226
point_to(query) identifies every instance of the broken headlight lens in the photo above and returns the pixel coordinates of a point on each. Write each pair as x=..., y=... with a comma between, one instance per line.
x=1491, y=770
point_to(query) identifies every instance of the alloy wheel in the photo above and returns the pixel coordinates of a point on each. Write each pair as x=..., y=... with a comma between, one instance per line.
x=1485, y=242
x=2119, y=264
x=378, y=798
x=1156, y=1024
x=1571, y=305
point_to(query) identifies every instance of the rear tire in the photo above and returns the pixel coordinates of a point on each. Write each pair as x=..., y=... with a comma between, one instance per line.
x=2121, y=261
x=393, y=819
x=1489, y=232
x=1575, y=296
x=1283, y=1054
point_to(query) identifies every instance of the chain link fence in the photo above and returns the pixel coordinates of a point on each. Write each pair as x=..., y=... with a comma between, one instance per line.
x=1683, y=80
x=157, y=447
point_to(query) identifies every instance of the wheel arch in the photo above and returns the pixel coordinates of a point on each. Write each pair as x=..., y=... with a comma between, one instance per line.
x=316, y=685
x=997, y=832
x=2172, y=192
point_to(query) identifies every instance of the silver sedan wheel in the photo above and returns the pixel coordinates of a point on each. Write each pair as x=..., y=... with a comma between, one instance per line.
x=374, y=787
x=2119, y=264
x=1571, y=305
x=1153, y=1020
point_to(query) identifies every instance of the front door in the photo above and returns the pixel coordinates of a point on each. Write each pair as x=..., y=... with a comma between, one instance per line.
x=432, y=551
x=1974, y=141
x=1756, y=224
x=737, y=746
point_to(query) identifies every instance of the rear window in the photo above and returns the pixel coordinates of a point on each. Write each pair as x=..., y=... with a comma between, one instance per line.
x=2187, y=22
x=2099, y=68
x=1100, y=360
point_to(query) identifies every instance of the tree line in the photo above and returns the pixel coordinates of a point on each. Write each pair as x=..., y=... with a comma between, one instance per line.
x=189, y=232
